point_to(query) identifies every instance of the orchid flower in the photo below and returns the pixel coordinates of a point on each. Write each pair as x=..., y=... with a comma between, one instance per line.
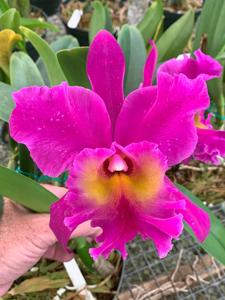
x=117, y=151
x=211, y=143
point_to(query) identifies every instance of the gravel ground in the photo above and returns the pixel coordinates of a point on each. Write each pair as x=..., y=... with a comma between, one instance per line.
x=136, y=10
x=52, y=36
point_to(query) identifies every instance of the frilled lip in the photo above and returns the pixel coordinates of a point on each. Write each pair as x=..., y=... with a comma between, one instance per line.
x=122, y=216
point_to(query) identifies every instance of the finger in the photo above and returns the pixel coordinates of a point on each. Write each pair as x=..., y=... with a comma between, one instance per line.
x=85, y=229
x=56, y=190
x=56, y=252
x=4, y=289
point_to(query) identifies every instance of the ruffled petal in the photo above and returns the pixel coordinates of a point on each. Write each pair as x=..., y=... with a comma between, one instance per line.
x=56, y=123
x=66, y=214
x=165, y=119
x=211, y=146
x=204, y=66
x=106, y=69
x=163, y=242
x=150, y=65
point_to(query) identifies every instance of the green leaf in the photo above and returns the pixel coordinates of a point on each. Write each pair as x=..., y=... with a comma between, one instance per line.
x=129, y=37
x=73, y=64
x=82, y=249
x=6, y=103
x=221, y=56
x=108, y=21
x=64, y=42
x=10, y=20
x=212, y=23
x=25, y=191
x=22, y=6
x=152, y=17
x=36, y=23
x=98, y=19
x=215, y=243
x=23, y=71
x=173, y=41
x=53, y=68
x=4, y=6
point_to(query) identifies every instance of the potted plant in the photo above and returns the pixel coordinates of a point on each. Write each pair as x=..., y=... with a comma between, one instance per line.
x=174, y=9
x=79, y=17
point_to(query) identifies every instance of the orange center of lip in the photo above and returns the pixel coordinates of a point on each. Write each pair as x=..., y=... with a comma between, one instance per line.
x=119, y=177
x=198, y=122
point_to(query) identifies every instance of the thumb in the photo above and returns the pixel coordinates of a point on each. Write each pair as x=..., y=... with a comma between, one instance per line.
x=56, y=252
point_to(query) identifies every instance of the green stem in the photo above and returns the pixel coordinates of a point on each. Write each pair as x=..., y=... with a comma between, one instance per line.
x=221, y=111
x=82, y=248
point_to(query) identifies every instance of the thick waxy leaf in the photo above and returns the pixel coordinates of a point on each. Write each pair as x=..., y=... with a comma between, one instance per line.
x=129, y=37
x=6, y=103
x=108, y=23
x=53, y=68
x=25, y=191
x=64, y=42
x=173, y=41
x=151, y=20
x=212, y=23
x=23, y=71
x=100, y=20
x=215, y=242
x=35, y=23
x=73, y=64
x=10, y=20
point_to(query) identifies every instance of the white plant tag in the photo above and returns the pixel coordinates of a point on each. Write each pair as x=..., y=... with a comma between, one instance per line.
x=75, y=18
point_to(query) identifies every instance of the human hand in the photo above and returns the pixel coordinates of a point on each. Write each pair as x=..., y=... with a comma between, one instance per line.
x=25, y=237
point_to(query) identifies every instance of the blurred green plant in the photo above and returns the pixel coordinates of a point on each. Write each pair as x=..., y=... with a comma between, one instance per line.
x=23, y=6
x=210, y=36
x=14, y=13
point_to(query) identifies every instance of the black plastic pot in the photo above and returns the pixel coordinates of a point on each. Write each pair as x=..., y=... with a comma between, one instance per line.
x=171, y=17
x=50, y=7
x=29, y=47
x=80, y=34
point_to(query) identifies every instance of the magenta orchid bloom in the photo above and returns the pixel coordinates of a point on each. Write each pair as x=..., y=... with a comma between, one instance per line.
x=116, y=150
x=211, y=143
